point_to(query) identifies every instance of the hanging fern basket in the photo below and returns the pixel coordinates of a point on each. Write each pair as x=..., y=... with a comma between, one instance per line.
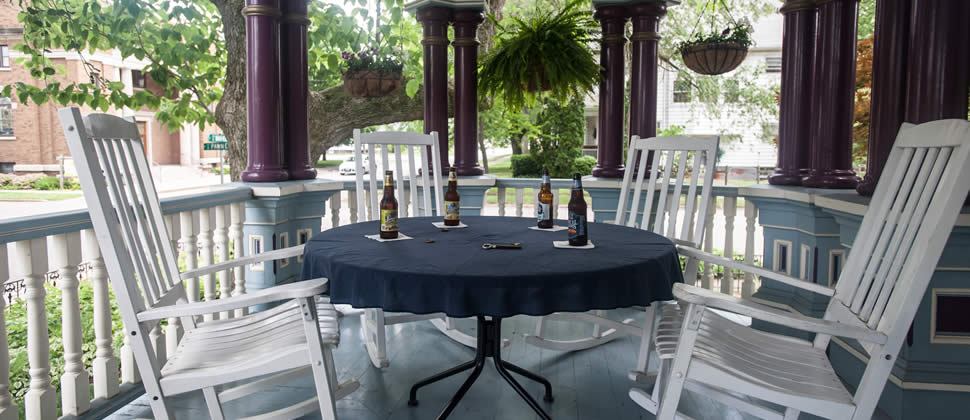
x=714, y=58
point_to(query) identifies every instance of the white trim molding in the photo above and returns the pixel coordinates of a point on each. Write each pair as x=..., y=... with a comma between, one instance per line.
x=776, y=247
x=284, y=243
x=302, y=237
x=946, y=339
x=255, y=247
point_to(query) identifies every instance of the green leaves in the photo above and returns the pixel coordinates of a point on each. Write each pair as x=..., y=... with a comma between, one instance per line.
x=412, y=87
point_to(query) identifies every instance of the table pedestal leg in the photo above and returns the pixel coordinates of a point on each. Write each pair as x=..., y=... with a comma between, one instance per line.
x=489, y=344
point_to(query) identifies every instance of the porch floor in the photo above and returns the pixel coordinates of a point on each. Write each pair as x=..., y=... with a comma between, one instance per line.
x=590, y=384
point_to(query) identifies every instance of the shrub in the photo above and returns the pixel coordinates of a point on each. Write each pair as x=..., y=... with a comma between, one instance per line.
x=46, y=183
x=71, y=184
x=525, y=166
x=583, y=165
x=560, y=141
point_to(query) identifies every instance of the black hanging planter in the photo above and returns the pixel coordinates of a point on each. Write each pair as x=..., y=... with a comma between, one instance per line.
x=714, y=58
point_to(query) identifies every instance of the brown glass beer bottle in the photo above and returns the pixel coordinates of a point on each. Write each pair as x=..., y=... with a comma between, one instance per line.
x=578, y=235
x=388, y=208
x=544, y=202
x=452, y=200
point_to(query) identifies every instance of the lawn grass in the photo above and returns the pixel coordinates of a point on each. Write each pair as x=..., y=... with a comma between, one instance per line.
x=501, y=169
x=36, y=195
x=328, y=163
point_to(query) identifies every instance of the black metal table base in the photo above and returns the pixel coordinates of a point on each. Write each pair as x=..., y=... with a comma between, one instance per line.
x=489, y=345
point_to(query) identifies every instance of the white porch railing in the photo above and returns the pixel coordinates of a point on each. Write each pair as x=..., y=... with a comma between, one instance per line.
x=59, y=253
x=53, y=261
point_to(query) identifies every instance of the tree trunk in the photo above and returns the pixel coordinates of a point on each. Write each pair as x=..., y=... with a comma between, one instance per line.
x=231, y=110
x=481, y=144
x=516, y=143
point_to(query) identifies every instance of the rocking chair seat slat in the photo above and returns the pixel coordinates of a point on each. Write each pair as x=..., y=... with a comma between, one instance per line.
x=267, y=341
x=789, y=367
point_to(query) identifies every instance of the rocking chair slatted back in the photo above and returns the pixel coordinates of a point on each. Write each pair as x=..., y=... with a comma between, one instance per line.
x=902, y=236
x=702, y=155
x=380, y=141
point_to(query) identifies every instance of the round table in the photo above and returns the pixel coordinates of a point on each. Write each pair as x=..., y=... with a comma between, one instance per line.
x=450, y=272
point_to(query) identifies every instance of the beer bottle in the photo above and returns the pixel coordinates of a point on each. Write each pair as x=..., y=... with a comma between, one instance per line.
x=544, y=202
x=388, y=208
x=578, y=235
x=452, y=200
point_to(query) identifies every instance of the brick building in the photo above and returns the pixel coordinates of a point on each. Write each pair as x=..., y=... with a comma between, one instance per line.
x=31, y=139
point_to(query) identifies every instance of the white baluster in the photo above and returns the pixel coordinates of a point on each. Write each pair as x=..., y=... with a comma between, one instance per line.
x=206, y=223
x=8, y=410
x=751, y=217
x=368, y=205
x=405, y=201
x=555, y=203
x=105, y=364
x=730, y=210
x=221, y=239
x=335, y=202
x=129, y=371
x=65, y=254
x=173, y=331
x=519, y=199
x=30, y=259
x=158, y=343
x=238, y=216
x=500, y=199
x=188, y=224
x=707, y=279
x=352, y=204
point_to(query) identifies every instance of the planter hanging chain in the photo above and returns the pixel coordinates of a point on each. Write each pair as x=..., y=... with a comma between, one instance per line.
x=713, y=57
x=698, y=24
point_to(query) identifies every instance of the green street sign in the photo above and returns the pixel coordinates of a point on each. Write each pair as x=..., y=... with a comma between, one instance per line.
x=217, y=138
x=215, y=146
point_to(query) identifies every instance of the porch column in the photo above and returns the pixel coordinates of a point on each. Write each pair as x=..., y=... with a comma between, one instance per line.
x=293, y=40
x=263, y=92
x=466, y=91
x=609, y=159
x=795, y=111
x=643, y=78
x=834, y=89
x=888, y=98
x=939, y=64
x=435, y=19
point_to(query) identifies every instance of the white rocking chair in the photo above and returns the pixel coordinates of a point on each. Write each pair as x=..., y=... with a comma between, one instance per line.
x=374, y=320
x=291, y=340
x=697, y=157
x=893, y=258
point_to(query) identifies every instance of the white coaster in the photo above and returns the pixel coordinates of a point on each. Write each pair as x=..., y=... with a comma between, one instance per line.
x=554, y=228
x=565, y=244
x=441, y=225
x=377, y=237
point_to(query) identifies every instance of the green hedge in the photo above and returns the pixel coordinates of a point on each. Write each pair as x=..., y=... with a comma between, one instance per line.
x=526, y=166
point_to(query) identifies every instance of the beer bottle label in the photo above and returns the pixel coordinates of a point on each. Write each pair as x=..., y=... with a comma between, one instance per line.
x=543, y=211
x=388, y=220
x=451, y=210
x=577, y=225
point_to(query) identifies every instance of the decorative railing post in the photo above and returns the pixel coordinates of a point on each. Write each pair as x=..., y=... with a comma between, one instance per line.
x=221, y=239
x=707, y=281
x=751, y=217
x=8, y=410
x=730, y=210
x=30, y=259
x=173, y=332
x=188, y=223
x=237, y=214
x=206, y=243
x=352, y=207
x=335, y=209
x=65, y=255
x=105, y=364
x=500, y=200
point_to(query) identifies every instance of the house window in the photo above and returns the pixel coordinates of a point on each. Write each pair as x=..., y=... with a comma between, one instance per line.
x=950, y=321
x=4, y=57
x=6, y=117
x=773, y=64
x=137, y=79
x=681, y=90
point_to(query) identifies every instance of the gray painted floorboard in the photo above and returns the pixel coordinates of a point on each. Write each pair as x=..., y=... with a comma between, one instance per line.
x=590, y=384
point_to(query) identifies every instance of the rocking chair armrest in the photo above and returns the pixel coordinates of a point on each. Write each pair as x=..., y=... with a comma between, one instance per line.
x=278, y=254
x=698, y=296
x=707, y=257
x=295, y=290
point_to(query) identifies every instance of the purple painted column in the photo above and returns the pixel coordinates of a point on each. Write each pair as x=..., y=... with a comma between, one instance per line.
x=939, y=64
x=643, y=73
x=466, y=91
x=609, y=159
x=888, y=97
x=263, y=92
x=795, y=112
x=834, y=88
x=296, y=90
x=435, y=22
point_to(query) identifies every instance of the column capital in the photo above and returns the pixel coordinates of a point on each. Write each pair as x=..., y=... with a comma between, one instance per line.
x=798, y=5
x=466, y=23
x=433, y=14
x=611, y=13
x=647, y=10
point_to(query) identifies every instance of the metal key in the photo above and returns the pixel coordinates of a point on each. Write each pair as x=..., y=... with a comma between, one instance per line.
x=489, y=245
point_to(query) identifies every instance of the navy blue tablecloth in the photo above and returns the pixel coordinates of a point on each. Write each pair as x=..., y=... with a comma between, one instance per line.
x=456, y=276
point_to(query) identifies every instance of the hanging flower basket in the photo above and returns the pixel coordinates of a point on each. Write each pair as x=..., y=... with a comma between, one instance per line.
x=370, y=84
x=714, y=58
